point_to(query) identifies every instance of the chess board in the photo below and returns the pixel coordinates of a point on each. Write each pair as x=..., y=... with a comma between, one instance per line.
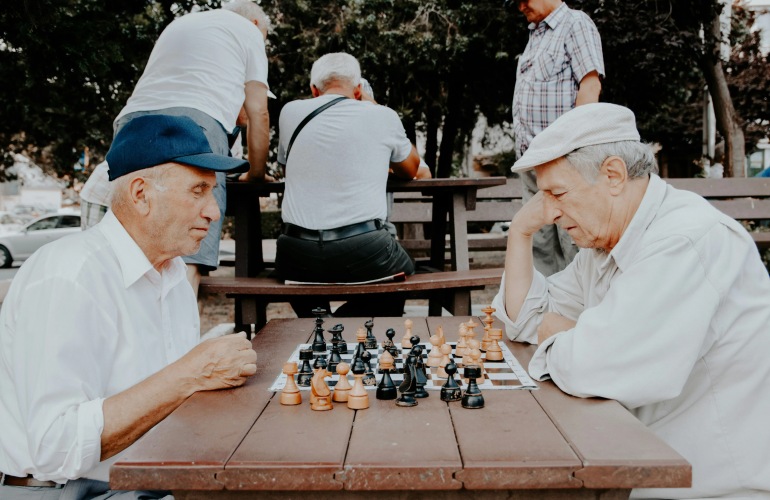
x=506, y=374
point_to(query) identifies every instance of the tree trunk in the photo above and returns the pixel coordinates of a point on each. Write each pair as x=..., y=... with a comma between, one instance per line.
x=433, y=119
x=451, y=128
x=728, y=122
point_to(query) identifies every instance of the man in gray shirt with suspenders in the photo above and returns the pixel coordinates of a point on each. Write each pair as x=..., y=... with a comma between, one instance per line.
x=337, y=168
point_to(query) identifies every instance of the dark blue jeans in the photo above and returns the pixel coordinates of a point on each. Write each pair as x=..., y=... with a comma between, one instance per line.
x=364, y=257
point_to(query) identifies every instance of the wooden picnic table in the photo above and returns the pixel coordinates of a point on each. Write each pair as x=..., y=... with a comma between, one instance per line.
x=242, y=442
x=451, y=199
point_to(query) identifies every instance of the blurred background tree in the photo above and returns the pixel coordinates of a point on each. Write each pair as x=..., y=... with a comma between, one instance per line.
x=68, y=67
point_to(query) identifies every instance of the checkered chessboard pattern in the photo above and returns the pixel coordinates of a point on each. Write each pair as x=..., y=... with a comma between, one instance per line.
x=506, y=374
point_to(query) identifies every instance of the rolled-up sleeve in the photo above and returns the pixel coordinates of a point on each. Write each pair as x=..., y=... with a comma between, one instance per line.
x=561, y=293
x=61, y=381
x=649, y=333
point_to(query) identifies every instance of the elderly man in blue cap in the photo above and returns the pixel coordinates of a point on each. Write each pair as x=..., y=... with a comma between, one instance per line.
x=100, y=330
x=666, y=307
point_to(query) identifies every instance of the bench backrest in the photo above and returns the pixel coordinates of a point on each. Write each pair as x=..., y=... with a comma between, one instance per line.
x=741, y=199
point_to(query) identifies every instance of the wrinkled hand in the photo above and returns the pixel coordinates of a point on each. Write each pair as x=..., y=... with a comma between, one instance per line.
x=221, y=362
x=531, y=217
x=551, y=325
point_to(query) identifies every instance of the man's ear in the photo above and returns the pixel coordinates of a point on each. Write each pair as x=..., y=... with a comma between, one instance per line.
x=139, y=195
x=314, y=90
x=615, y=171
x=357, y=92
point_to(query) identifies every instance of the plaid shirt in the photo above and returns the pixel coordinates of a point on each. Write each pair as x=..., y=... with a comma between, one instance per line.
x=562, y=50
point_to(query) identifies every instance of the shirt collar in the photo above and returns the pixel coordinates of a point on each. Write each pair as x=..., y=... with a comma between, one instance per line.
x=623, y=253
x=553, y=19
x=132, y=260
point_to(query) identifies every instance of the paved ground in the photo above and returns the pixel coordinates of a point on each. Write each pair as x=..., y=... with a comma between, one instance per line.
x=219, y=309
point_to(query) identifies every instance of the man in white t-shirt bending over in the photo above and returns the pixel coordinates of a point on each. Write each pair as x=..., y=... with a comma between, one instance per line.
x=206, y=66
x=335, y=205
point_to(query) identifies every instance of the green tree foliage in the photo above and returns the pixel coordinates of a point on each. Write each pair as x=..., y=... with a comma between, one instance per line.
x=68, y=66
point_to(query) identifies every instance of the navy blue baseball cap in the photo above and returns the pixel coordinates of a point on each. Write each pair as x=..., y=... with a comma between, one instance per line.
x=150, y=140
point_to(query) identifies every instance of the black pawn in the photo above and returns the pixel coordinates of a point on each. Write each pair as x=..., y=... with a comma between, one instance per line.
x=371, y=340
x=319, y=343
x=389, y=344
x=320, y=362
x=334, y=358
x=421, y=376
x=386, y=389
x=408, y=386
x=472, y=398
x=336, y=332
x=305, y=373
x=450, y=391
x=369, y=378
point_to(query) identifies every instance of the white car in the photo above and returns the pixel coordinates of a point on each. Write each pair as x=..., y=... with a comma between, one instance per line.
x=19, y=245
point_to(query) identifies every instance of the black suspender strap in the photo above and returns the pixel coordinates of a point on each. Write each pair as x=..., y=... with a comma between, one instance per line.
x=308, y=118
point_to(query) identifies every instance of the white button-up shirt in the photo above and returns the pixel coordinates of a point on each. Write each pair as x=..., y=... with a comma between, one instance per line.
x=85, y=318
x=674, y=323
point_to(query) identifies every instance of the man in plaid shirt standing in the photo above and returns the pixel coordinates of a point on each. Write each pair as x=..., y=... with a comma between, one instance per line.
x=561, y=67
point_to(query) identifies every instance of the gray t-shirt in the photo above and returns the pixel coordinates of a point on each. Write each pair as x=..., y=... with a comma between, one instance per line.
x=338, y=167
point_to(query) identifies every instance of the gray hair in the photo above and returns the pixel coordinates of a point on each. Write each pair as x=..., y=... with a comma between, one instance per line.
x=249, y=10
x=638, y=156
x=121, y=196
x=335, y=67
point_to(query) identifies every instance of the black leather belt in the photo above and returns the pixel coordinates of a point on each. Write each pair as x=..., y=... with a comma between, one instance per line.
x=332, y=234
x=28, y=481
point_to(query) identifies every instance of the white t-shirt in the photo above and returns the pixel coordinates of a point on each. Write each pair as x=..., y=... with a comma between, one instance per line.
x=673, y=323
x=338, y=166
x=86, y=317
x=202, y=61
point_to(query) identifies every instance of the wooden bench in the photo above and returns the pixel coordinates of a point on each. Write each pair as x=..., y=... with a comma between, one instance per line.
x=493, y=204
x=448, y=289
x=746, y=199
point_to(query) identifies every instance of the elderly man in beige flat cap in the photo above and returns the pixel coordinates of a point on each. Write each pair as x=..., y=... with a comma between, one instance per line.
x=666, y=307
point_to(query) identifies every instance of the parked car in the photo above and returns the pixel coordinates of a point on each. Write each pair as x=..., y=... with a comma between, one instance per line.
x=10, y=222
x=19, y=245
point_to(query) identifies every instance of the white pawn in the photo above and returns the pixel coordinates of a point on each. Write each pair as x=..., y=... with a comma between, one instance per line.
x=405, y=342
x=434, y=356
x=445, y=349
x=461, y=345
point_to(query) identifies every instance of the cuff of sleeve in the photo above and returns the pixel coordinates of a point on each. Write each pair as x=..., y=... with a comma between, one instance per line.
x=90, y=427
x=524, y=327
x=538, y=365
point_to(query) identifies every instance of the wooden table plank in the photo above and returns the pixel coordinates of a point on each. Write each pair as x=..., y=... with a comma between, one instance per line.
x=394, y=448
x=195, y=438
x=617, y=451
x=292, y=448
x=510, y=443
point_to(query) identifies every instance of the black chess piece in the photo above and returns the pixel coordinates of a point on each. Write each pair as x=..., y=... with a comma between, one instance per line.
x=305, y=373
x=389, y=345
x=422, y=377
x=472, y=397
x=415, y=340
x=336, y=332
x=371, y=340
x=319, y=343
x=369, y=378
x=386, y=389
x=320, y=362
x=334, y=358
x=408, y=386
x=451, y=391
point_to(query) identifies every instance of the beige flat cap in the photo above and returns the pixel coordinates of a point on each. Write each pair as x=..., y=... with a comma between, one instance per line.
x=586, y=125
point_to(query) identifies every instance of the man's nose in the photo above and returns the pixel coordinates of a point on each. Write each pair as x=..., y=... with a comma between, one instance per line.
x=552, y=212
x=211, y=208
